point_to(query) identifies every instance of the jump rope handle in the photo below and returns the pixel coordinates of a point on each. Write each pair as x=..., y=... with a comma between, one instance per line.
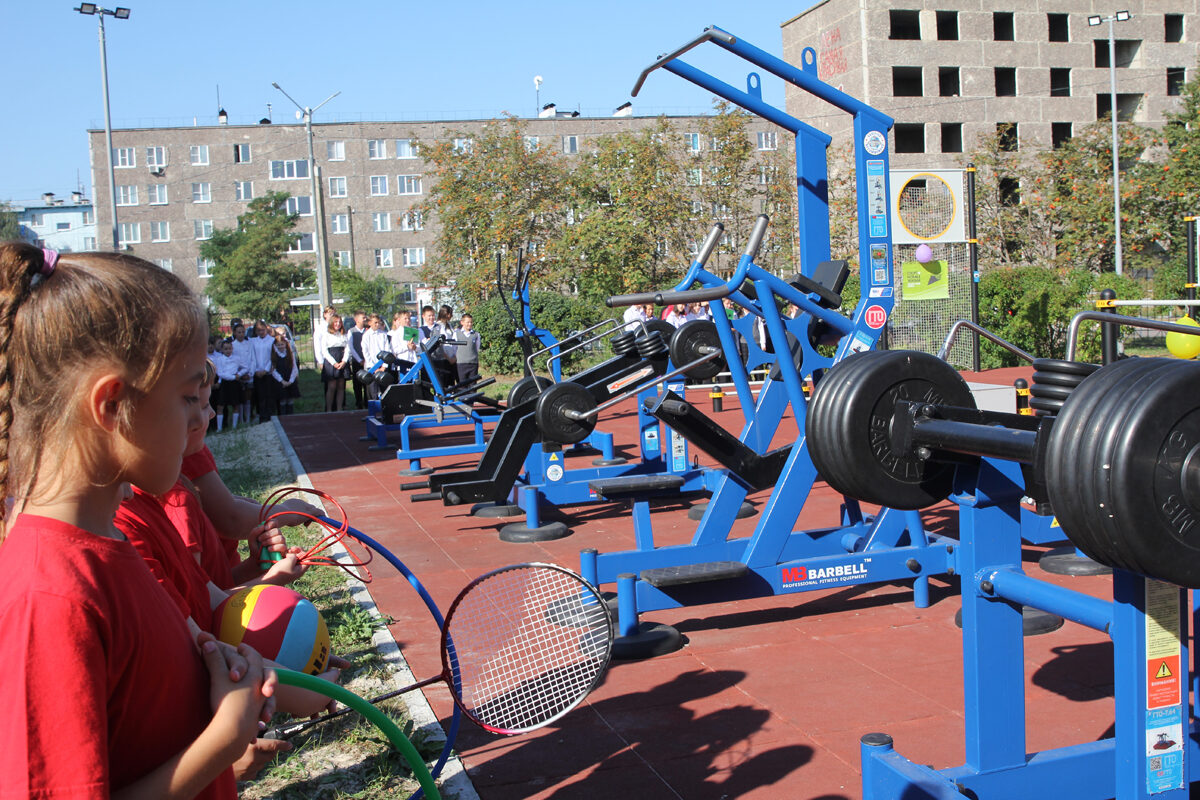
x=268, y=557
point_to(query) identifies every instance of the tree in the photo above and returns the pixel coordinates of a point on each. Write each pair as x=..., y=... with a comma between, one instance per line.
x=10, y=228
x=377, y=295
x=497, y=192
x=252, y=275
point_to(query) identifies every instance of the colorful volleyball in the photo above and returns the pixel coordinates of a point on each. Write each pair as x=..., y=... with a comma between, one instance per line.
x=279, y=623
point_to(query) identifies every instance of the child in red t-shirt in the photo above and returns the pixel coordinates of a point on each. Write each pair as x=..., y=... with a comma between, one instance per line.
x=106, y=692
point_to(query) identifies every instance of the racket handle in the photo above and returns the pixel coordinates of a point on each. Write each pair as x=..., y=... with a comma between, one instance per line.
x=268, y=557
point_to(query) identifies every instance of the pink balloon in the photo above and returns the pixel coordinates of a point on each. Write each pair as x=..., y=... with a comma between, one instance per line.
x=924, y=253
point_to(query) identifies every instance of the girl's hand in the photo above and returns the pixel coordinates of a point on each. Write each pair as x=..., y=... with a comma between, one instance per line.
x=240, y=707
x=286, y=569
x=267, y=537
x=258, y=754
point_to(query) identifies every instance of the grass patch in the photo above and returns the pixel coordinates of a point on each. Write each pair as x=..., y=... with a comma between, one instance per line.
x=348, y=757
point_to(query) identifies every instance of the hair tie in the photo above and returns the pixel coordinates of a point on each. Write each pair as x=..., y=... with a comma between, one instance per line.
x=49, y=260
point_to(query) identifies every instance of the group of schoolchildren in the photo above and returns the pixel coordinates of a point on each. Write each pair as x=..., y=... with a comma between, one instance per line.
x=118, y=538
x=453, y=350
x=259, y=373
x=676, y=314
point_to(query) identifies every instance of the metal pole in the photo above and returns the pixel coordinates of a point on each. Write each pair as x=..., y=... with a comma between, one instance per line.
x=973, y=250
x=1116, y=150
x=108, y=140
x=1190, y=269
x=322, y=260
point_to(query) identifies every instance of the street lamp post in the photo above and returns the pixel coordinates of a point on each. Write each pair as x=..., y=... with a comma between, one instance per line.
x=100, y=12
x=1120, y=16
x=323, y=278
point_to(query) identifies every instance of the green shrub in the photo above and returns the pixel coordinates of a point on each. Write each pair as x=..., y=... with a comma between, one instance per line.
x=560, y=314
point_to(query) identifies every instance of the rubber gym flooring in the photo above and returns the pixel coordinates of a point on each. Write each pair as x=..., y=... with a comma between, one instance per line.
x=769, y=697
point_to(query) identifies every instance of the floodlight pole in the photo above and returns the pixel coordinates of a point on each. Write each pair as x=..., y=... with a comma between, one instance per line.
x=1120, y=16
x=323, y=278
x=100, y=12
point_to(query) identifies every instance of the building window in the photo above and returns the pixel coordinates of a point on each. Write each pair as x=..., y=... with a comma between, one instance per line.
x=160, y=231
x=383, y=258
x=906, y=82
x=381, y=221
x=1126, y=51
x=204, y=267
x=692, y=142
x=905, y=24
x=127, y=195
x=1060, y=134
x=243, y=190
x=377, y=148
x=339, y=223
x=88, y=217
x=767, y=175
x=570, y=145
x=910, y=137
x=1006, y=81
x=165, y=264
x=413, y=256
x=202, y=229
x=1127, y=106
x=948, y=81
x=1006, y=136
x=158, y=194
x=1002, y=26
x=241, y=153
x=89, y=243
x=1176, y=77
x=62, y=226
x=289, y=170
x=1059, y=28
x=1060, y=81
x=952, y=137
x=156, y=157
x=695, y=176
x=768, y=140
x=124, y=157
x=464, y=146
x=300, y=205
x=1173, y=28
x=342, y=258
x=129, y=233
x=947, y=26
x=412, y=221
x=697, y=209
x=202, y=192
x=531, y=144
x=303, y=244
x=335, y=151
x=408, y=184
x=720, y=211
x=1010, y=192
x=716, y=144
x=406, y=148
x=199, y=155
x=337, y=187
x=379, y=185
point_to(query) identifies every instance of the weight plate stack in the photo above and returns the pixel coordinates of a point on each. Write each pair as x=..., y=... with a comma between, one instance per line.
x=651, y=345
x=660, y=325
x=526, y=389
x=1053, y=380
x=553, y=406
x=694, y=340
x=623, y=343
x=848, y=422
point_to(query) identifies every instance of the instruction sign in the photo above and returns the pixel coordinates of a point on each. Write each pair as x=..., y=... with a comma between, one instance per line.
x=877, y=205
x=1164, y=689
x=929, y=281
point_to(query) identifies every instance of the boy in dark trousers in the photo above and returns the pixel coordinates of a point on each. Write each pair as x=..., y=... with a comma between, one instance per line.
x=466, y=344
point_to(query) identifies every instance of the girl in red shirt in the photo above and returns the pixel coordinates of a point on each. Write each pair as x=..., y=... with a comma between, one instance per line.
x=106, y=692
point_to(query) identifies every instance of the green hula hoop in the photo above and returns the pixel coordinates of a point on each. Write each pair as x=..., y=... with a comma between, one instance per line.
x=374, y=715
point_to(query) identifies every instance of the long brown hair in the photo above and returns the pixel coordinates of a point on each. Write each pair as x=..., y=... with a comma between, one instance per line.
x=92, y=311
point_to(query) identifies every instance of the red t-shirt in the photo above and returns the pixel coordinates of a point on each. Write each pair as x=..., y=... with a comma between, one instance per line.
x=196, y=466
x=142, y=519
x=182, y=507
x=102, y=682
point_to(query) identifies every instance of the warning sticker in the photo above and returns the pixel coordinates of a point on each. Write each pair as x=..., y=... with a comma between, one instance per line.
x=1164, y=696
x=1162, y=687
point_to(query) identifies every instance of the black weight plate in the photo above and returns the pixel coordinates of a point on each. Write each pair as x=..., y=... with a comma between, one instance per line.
x=551, y=419
x=692, y=341
x=660, y=325
x=526, y=389
x=1059, y=393
x=623, y=343
x=364, y=377
x=387, y=379
x=651, y=345
x=849, y=419
x=1064, y=367
x=1057, y=379
x=1046, y=408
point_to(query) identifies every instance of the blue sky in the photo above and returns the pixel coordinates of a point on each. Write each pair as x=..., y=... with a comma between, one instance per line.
x=390, y=60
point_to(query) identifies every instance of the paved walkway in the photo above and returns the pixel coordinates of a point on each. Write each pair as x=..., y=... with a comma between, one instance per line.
x=770, y=695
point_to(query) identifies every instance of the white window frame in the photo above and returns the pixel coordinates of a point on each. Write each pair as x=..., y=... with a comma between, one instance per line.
x=570, y=144
x=287, y=166
x=768, y=140
x=240, y=193
x=531, y=143
x=376, y=149
x=129, y=233
x=204, y=267
x=339, y=223
x=381, y=221
x=343, y=258
x=695, y=176
x=412, y=256
x=379, y=185
x=89, y=217
x=157, y=194
x=464, y=145
x=305, y=244
x=198, y=155
x=337, y=186
x=335, y=151
x=160, y=231
x=202, y=229
x=412, y=220
x=238, y=149
x=127, y=195
x=202, y=192
x=691, y=141
x=156, y=156
x=124, y=157
x=297, y=204
x=408, y=184
x=383, y=258
x=165, y=264
x=406, y=148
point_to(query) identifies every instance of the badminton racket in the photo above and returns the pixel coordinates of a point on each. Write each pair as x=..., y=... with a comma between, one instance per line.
x=521, y=646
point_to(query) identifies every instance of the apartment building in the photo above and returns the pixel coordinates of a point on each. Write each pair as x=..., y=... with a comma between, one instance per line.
x=63, y=225
x=950, y=72
x=174, y=186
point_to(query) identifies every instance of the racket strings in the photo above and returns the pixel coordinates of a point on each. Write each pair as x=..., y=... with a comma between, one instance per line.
x=355, y=566
x=526, y=645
